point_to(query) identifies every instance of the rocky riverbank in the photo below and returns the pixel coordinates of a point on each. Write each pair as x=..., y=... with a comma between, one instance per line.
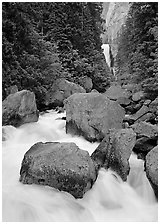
x=122, y=121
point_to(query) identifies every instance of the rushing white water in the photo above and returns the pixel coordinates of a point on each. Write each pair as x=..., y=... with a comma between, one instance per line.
x=105, y=48
x=110, y=199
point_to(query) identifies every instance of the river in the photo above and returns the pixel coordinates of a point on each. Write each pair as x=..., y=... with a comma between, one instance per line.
x=110, y=199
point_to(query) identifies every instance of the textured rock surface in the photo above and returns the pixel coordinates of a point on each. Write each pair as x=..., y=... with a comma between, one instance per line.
x=123, y=101
x=151, y=167
x=60, y=91
x=19, y=108
x=92, y=115
x=138, y=96
x=144, y=144
x=115, y=150
x=115, y=92
x=60, y=165
x=144, y=129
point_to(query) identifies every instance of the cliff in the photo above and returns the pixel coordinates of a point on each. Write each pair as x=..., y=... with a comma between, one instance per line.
x=114, y=14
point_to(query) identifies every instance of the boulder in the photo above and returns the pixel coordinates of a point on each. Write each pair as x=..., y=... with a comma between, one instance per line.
x=11, y=90
x=92, y=115
x=60, y=91
x=148, y=117
x=59, y=165
x=94, y=91
x=123, y=101
x=138, y=96
x=144, y=144
x=86, y=83
x=115, y=150
x=147, y=102
x=153, y=106
x=144, y=129
x=151, y=168
x=19, y=108
x=115, y=92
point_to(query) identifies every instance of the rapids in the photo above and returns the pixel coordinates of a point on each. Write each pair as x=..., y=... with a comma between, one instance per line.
x=110, y=199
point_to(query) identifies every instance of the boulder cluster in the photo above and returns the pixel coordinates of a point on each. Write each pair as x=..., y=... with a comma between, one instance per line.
x=120, y=119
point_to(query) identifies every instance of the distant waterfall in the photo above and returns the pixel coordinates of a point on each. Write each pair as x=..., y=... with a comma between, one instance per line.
x=108, y=56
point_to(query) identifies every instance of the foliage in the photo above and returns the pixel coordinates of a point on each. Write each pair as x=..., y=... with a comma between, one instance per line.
x=43, y=41
x=137, y=58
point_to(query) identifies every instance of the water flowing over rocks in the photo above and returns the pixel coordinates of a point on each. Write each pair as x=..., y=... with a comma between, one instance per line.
x=19, y=108
x=115, y=150
x=151, y=167
x=61, y=90
x=92, y=115
x=60, y=165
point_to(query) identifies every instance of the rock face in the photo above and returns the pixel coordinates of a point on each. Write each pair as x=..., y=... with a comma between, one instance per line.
x=115, y=15
x=115, y=92
x=61, y=90
x=151, y=167
x=114, y=151
x=60, y=165
x=19, y=108
x=92, y=115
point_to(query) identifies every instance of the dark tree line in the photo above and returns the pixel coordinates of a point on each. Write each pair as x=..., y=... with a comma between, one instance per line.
x=137, y=58
x=43, y=41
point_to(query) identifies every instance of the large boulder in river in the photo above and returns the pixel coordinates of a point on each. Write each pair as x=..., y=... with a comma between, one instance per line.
x=114, y=151
x=151, y=168
x=60, y=165
x=115, y=92
x=92, y=115
x=61, y=90
x=19, y=108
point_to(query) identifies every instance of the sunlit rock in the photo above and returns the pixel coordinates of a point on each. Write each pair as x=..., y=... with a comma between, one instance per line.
x=92, y=115
x=60, y=165
x=19, y=108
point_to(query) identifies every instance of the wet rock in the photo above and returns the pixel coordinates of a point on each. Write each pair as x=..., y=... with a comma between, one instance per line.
x=19, y=108
x=60, y=91
x=151, y=168
x=115, y=150
x=92, y=115
x=115, y=92
x=144, y=129
x=60, y=165
x=138, y=96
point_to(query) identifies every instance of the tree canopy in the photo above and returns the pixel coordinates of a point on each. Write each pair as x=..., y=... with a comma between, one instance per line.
x=137, y=58
x=43, y=41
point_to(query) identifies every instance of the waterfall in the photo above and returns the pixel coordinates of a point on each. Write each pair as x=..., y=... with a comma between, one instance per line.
x=110, y=199
x=109, y=57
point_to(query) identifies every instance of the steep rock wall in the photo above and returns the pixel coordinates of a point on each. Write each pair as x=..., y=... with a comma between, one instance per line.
x=114, y=14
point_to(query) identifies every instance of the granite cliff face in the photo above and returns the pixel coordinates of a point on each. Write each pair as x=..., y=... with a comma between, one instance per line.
x=114, y=14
